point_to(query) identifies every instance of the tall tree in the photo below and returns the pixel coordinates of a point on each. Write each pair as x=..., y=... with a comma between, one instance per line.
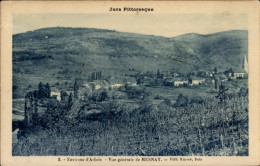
x=70, y=100
x=216, y=83
x=215, y=69
x=76, y=88
x=41, y=90
x=222, y=96
x=35, y=108
x=189, y=79
x=40, y=86
x=231, y=71
x=93, y=76
x=26, y=112
x=103, y=95
x=158, y=74
x=47, y=90
x=31, y=109
x=63, y=95
x=100, y=75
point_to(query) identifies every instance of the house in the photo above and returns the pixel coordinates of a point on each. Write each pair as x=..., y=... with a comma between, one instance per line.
x=194, y=80
x=180, y=82
x=239, y=75
x=191, y=81
x=101, y=84
x=56, y=95
x=97, y=84
x=115, y=82
x=86, y=85
x=197, y=81
x=89, y=85
x=130, y=81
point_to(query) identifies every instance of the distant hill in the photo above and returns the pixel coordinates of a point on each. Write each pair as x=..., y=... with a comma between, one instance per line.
x=55, y=54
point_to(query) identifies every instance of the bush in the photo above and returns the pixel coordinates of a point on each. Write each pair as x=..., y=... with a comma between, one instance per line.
x=167, y=101
x=181, y=101
x=136, y=92
x=243, y=92
x=196, y=99
x=100, y=95
x=158, y=97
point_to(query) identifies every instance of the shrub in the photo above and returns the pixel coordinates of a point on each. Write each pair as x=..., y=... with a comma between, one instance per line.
x=243, y=91
x=181, y=101
x=167, y=101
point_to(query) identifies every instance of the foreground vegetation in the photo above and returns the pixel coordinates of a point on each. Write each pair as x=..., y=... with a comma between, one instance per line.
x=210, y=127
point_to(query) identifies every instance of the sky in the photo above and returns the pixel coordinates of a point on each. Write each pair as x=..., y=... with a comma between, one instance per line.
x=168, y=25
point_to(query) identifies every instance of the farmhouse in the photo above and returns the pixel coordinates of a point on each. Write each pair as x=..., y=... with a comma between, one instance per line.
x=96, y=85
x=180, y=82
x=239, y=75
x=130, y=81
x=191, y=81
x=197, y=81
x=88, y=85
x=101, y=84
x=56, y=95
x=115, y=82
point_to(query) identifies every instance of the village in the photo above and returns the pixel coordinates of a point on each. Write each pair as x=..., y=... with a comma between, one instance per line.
x=88, y=92
x=112, y=100
x=132, y=88
x=97, y=82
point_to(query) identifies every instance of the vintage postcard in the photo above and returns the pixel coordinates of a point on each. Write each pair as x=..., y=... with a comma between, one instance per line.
x=130, y=83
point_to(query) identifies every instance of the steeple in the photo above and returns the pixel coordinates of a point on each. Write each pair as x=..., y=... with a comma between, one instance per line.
x=245, y=65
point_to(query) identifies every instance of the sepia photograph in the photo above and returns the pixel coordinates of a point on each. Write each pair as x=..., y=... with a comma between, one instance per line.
x=130, y=82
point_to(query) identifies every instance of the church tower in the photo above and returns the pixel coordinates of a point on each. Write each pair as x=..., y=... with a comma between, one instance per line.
x=245, y=65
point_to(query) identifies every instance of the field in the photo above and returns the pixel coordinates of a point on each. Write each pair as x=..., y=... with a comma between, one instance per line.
x=209, y=128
